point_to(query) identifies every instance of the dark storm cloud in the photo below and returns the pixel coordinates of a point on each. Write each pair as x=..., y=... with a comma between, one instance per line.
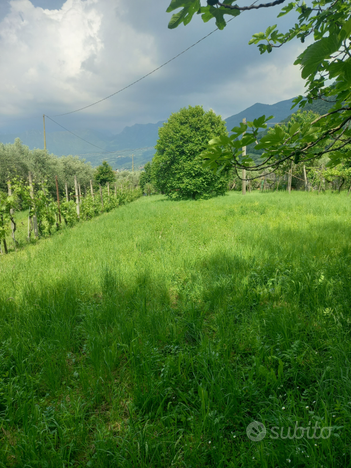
x=80, y=51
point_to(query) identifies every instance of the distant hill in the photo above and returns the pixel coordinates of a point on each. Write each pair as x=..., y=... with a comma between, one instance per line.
x=280, y=111
x=139, y=139
x=126, y=143
x=136, y=136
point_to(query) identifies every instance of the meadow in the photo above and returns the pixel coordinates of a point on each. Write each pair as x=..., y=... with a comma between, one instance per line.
x=153, y=335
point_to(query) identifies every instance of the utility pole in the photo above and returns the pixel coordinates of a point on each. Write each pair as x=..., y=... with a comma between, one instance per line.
x=44, y=132
x=244, y=170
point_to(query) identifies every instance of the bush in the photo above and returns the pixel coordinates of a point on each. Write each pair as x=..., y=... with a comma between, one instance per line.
x=177, y=166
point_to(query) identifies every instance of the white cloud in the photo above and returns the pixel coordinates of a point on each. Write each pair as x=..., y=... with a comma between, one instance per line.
x=266, y=82
x=55, y=61
x=69, y=56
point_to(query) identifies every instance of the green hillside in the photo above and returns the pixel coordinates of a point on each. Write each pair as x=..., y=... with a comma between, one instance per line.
x=139, y=139
x=154, y=335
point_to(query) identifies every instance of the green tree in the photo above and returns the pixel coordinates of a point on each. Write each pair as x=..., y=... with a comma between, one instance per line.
x=16, y=160
x=146, y=176
x=104, y=173
x=177, y=165
x=326, y=60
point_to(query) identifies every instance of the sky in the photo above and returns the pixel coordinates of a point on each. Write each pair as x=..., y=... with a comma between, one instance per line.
x=60, y=55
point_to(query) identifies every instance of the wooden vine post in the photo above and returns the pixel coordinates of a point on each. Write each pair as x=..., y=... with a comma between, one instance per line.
x=91, y=189
x=289, y=178
x=58, y=200
x=77, y=197
x=3, y=240
x=320, y=179
x=12, y=212
x=244, y=170
x=32, y=220
x=102, y=200
x=305, y=178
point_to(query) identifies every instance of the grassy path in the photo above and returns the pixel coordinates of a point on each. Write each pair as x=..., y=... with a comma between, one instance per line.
x=153, y=335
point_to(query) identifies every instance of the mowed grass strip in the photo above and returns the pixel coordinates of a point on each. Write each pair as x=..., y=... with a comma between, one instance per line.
x=153, y=335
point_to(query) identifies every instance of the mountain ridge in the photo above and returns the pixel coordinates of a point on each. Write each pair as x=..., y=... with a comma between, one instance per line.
x=137, y=140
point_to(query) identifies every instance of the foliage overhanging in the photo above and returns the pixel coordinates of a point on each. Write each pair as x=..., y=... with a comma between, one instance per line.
x=326, y=60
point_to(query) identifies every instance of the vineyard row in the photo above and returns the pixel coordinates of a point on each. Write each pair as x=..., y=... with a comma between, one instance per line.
x=46, y=215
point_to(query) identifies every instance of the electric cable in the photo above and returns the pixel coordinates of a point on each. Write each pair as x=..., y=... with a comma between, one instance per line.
x=92, y=144
x=143, y=77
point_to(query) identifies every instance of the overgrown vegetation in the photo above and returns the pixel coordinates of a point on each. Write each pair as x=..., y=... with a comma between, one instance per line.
x=46, y=215
x=17, y=160
x=324, y=66
x=153, y=335
x=177, y=170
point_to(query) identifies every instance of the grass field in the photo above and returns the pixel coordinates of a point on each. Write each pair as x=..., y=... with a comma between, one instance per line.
x=153, y=336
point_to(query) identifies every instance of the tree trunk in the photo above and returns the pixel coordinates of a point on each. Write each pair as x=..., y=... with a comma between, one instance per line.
x=342, y=183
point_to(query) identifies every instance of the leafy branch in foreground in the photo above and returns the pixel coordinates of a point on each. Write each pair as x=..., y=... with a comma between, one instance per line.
x=326, y=60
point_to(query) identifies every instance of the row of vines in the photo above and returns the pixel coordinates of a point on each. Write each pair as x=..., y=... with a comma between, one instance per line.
x=47, y=215
x=299, y=177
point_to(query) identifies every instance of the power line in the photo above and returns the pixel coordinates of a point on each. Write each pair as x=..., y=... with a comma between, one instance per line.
x=86, y=141
x=92, y=144
x=143, y=77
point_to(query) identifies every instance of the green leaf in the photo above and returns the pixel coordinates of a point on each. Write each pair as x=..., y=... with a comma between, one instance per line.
x=257, y=37
x=176, y=19
x=270, y=29
x=286, y=10
x=347, y=27
x=297, y=157
x=273, y=138
x=190, y=7
x=258, y=123
x=239, y=130
x=295, y=126
x=316, y=53
x=214, y=141
x=187, y=4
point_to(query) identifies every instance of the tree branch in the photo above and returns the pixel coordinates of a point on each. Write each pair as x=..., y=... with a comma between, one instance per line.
x=251, y=7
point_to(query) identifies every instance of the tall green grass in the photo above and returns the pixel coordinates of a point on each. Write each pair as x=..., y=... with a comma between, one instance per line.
x=153, y=335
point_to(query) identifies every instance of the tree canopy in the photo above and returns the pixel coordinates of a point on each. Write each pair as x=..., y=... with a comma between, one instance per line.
x=104, y=173
x=325, y=66
x=17, y=160
x=177, y=166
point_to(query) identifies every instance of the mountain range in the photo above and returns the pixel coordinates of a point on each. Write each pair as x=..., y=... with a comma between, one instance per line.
x=138, y=140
